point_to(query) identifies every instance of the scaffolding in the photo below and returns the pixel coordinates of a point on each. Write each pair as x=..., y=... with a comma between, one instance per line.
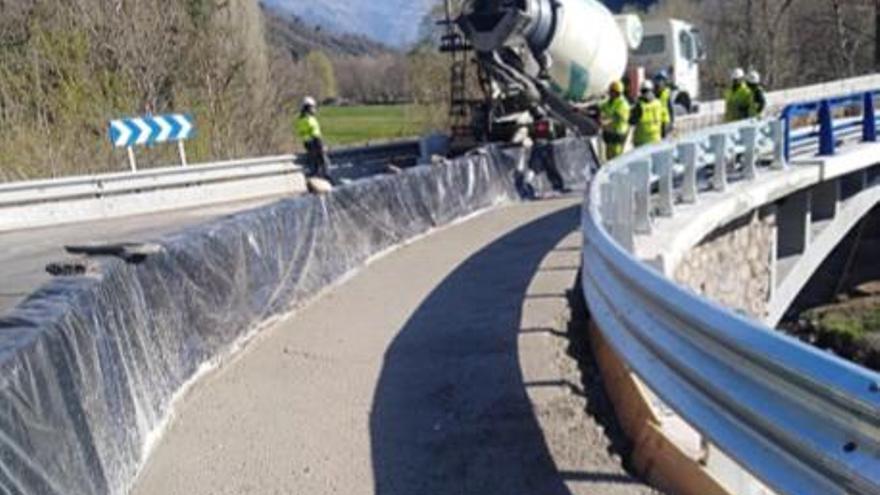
x=461, y=104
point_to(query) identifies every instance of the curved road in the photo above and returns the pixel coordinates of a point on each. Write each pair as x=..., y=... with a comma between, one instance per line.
x=442, y=368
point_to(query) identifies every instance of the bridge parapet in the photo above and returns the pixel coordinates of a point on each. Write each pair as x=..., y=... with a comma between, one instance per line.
x=765, y=412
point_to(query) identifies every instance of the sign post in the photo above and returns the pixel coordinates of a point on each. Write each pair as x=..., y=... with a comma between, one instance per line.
x=182, y=151
x=140, y=131
x=132, y=162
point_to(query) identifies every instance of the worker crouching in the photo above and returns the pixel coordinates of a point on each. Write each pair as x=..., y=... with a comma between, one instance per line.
x=647, y=117
x=309, y=131
x=615, y=114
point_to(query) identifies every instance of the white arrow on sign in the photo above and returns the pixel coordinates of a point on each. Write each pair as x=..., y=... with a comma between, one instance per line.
x=185, y=126
x=144, y=135
x=124, y=132
x=165, y=131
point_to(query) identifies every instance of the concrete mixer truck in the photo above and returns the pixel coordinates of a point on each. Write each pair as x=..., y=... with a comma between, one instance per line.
x=548, y=60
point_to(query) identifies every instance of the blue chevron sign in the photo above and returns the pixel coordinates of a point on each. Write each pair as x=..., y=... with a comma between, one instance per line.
x=151, y=130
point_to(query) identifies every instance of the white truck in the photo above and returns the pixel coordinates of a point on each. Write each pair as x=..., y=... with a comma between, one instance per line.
x=676, y=47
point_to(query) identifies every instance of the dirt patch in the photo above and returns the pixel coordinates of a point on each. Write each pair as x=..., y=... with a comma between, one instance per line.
x=848, y=327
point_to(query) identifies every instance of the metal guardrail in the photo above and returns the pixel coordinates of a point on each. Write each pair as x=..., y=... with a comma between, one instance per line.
x=800, y=420
x=104, y=185
x=49, y=202
x=712, y=112
x=45, y=203
x=827, y=131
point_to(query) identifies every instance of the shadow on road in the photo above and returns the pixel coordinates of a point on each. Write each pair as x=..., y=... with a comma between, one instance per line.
x=450, y=413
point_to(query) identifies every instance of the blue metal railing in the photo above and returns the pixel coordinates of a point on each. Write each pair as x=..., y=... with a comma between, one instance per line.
x=827, y=130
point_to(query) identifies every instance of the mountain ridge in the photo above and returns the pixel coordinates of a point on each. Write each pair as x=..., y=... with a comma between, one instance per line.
x=392, y=22
x=298, y=37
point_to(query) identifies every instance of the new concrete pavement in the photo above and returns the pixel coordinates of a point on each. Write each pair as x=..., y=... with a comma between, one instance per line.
x=442, y=368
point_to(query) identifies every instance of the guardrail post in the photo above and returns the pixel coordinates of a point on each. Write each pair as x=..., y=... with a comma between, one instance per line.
x=749, y=136
x=719, y=147
x=663, y=162
x=780, y=143
x=640, y=175
x=869, y=124
x=827, y=144
x=687, y=155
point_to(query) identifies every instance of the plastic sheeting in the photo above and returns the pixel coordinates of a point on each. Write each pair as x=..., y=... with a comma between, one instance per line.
x=90, y=363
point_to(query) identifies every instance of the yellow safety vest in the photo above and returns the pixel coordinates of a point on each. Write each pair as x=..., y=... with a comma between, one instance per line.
x=738, y=103
x=308, y=128
x=649, y=128
x=616, y=112
x=664, y=97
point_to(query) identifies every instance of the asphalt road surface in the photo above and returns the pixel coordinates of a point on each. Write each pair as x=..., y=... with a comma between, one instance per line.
x=24, y=254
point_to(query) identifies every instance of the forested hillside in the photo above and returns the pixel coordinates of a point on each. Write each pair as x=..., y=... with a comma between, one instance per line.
x=291, y=33
x=67, y=68
x=394, y=22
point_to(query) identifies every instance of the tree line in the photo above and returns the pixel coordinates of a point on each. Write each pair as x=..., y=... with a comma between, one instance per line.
x=790, y=42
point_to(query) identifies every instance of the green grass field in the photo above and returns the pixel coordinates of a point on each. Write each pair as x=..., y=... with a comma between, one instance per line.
x=360, y=124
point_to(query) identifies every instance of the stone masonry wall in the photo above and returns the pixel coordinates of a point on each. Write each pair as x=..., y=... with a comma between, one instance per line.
x=733, y=265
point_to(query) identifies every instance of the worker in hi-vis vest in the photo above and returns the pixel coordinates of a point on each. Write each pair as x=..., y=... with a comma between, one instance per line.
x=738, y=100
x=759, y=96
x=309, y=131
x=663, y=91
x=647, y=117
x=614, y=113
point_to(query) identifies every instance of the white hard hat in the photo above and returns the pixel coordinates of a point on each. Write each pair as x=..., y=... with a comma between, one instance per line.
x=308, y=101
x=647, y=85
x=754, y=77
x=737, y=74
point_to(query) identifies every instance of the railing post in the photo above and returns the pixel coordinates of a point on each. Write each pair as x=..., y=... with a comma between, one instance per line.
x=623, y=209
x=687, y=155
x=719, y=147
x=869, y=124
x=749, y=137
x=786, y=133
x=827, y=144
x=663, y=162
x=778, y=128
x=640, y=175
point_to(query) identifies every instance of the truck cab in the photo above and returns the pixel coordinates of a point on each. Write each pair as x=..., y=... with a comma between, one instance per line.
x=674, y=46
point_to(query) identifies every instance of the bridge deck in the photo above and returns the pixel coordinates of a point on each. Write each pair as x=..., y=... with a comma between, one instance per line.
x=441, y=368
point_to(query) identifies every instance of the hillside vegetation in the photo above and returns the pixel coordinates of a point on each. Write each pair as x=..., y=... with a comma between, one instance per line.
x=68, y=67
